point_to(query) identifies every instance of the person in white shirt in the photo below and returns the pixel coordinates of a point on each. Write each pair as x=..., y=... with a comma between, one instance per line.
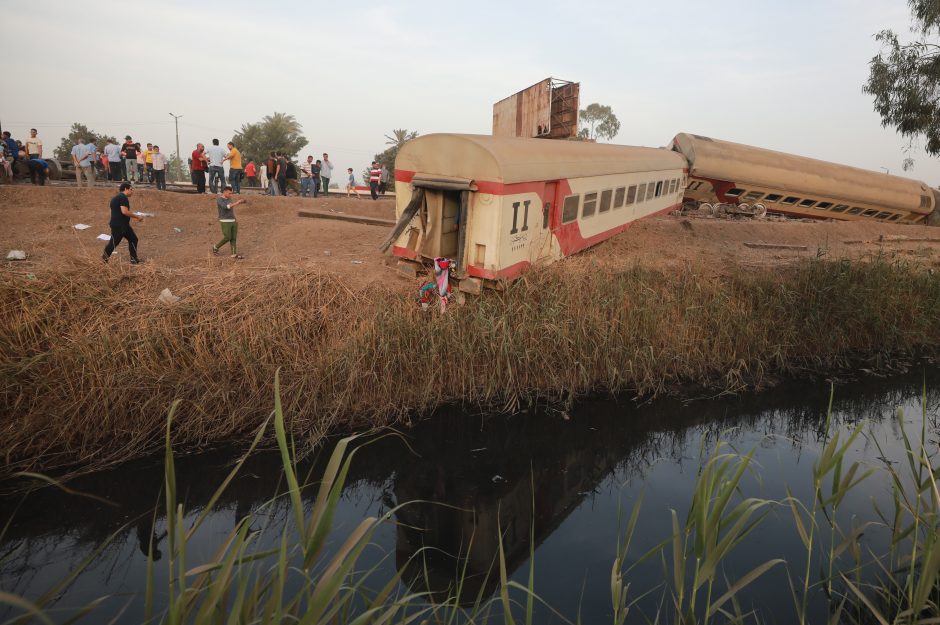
x=216, y=156
x=33, y=144
x=83, y=161
x=263, y=176
x=326, y=171
x=158, y=160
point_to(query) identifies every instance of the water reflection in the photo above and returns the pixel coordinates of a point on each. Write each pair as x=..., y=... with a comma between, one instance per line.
x=468, y=475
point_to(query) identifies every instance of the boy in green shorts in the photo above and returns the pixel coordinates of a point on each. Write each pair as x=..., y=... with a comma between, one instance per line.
x=227, y=220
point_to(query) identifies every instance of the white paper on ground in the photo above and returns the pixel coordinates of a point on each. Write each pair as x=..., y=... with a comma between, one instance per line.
x=104, y=237
x=81, y=226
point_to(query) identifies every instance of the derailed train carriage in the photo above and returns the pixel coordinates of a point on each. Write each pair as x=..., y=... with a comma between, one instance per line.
x=498, y=205
x=722, y=173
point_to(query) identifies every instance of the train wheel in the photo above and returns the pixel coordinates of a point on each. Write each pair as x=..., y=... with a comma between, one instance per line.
x=706, y=208
x=721, y=209
x=760, y=211
x=55, y=169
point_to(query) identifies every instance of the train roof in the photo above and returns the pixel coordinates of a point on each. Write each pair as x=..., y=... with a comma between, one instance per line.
x=511, y=160
x=744, y=164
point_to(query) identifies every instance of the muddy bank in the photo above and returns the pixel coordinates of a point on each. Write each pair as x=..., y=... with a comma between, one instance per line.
x=90, y=361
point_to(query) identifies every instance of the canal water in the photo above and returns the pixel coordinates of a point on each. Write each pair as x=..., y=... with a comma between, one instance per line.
x=468, y=474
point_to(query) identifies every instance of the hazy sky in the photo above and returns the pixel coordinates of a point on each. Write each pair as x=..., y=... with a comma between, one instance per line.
x=781, y=75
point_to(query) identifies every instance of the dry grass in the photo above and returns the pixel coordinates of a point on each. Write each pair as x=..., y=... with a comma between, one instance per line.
x=89, y=360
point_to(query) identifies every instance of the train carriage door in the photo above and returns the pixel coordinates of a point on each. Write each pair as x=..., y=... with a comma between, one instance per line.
x=546, y=223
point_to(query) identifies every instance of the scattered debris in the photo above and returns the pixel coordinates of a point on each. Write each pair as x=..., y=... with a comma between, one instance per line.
x=81, y=226
x=16, y=255
x=339, y=215
x=167, y=297
x=473, y=451
x=357, y=262
x=498, y=478
x=104, y=237
x=177, y=229
x=776, y=246
x=327, y=253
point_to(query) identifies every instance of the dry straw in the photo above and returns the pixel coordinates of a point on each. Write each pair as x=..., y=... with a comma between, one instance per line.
x=90, y=360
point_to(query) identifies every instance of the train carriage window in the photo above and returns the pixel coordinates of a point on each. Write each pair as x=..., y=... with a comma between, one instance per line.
x=734, y=192
x=840, y=208
x=590, y=205
x=855, y=210
x=619, y=197
x=807, y=203
x=659, y=188
x=631, y=194
x=570, y=210
x=871, y=212
x=791, y=200
x=895, y=217
x=650, y=190
x=883, y=215
x=605, y=201
x=641, y=193
x=672, y=187
x=753, y=195
x=772, y=197
x=823, y=206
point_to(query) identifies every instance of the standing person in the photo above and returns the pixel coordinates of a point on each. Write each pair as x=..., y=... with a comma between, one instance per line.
x=306, y=177
x=375, y=176
x=112, y=152
x=198, y=167
x=158, y=167
x=272, y=171
x=315, y=170
x=121, y=224
x=216, y=155
x=6, y=161
x=383, y=180
x=129, y=152
x=263, y=176
x=291, y=177
x=141, y=163
x=34, y=145
x=251, y=173
x=280, y=174
x=326, y=172
x=148, y=162
x=227, y=220
x=234, y=168
x=84, y=159
x=351, y=184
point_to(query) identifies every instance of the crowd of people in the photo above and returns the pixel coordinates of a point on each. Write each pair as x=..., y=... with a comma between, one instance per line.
x=132, y=161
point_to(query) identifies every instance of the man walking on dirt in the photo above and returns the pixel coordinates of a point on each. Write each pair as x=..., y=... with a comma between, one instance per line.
x=216, y=155
x=198, y=167
x=227, y=220
x=33, y=145
x=326, y=171
x=121, y=224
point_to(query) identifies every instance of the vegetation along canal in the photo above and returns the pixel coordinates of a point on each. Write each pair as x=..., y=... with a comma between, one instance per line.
x=457, y=494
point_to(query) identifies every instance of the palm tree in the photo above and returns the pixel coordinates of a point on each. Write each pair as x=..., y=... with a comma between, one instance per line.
x=400, y=136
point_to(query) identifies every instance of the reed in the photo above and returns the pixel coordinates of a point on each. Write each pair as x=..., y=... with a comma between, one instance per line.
x=89, y=359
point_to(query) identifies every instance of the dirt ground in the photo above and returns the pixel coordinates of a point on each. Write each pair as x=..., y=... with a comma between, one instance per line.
x=177, y=239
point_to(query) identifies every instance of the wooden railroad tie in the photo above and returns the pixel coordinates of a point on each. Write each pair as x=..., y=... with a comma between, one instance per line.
x=776, y=246
x=358, y=219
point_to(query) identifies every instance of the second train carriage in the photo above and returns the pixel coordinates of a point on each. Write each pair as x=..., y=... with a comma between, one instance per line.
x=732, y=173
x=498, y=205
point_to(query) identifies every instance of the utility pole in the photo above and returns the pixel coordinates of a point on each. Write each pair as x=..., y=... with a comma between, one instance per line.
x=179, y=157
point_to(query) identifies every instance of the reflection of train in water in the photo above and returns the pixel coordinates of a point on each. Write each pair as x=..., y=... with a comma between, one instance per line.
x=498, y=205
